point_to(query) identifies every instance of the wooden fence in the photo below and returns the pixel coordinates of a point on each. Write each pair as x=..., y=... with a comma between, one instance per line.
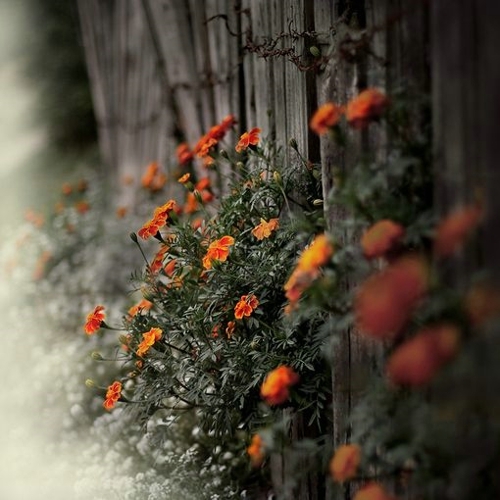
x=162, y=70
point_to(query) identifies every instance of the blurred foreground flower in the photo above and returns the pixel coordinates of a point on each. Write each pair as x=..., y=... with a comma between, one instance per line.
x=275, y=388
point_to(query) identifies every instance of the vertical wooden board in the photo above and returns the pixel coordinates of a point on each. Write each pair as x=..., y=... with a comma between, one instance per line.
x=262, y=68
x=487, y=15
x=177, y=53
x=247, y=110
x=295, y=83
x=85, y=13
x=203, y=67
x=278, y=62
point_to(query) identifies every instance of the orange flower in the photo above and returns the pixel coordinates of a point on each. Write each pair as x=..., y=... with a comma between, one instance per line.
x=218, y=250
x=344, y=464
x=184, y=178
x=66, y=189
x=325, y=117
x=204, y=145
x=307, y=270
x=452, y=231
x=121, y=212
x=255, y=451
x=113, y=394
x=34, y=218
x=482, y=303
x=191, y=203
x=228, y=122
x=385, y=301
x=264, y=229
x=94, y=320
x=231, y=325
x=316, y=254
x=170, y=267
x=275, y=388
x=246, y=306
x=373, y=491
x=41, y=264
x=157, y=262
x=82, y=207
x=148, y=339
x=160, y=217
x=203, y=183
x=59, y=207
x=250, y=138
x=153, y=179
x=196, y=223
x=417, y=360
x=215, y=332
x=143, y=305
x=381, y=238
x=367, y=106
x=183, y=153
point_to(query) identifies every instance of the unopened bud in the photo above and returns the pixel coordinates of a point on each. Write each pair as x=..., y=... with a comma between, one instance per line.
x=90, y=383
x=96, y=356
x=224, y=154
x=315, y=51
x=133, y=237
x=293, y=144
x=240, y=165
x=197, y=195
x=277, y=177
x=317, y=202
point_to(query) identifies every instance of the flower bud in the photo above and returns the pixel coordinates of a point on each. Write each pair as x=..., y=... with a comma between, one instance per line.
x=293, y=144
x=96, y=356
x=90, y=383
x=277, y=177
x=317, y=202
x=133, y=237
x=224, y=154
x=240, y=166
x=315, y=51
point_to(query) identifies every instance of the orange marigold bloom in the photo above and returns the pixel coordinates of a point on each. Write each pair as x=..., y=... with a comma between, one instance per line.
x=215, y=332
x=157, y=262
x=452, y=232
x=94, y=320
x=264, y=229
x=228, y=122
x=231, y=325
x=203, y=183
x=367, y=106
x=218, y=250
x=184, y=178
x=66, y=189
x=170, y=267
x=325, y=117
x=160, y=217
x=148, y=339
x=150, y=174
x=385, y=301
x=255, y=451
x=82, y=207
x=191, y=203
x=34, y=218
x=121, y=212
x=250, y=138
x=317, y=254
x=275, y=388
x=246, y=306
x=113, y=394
x=373, y=491
x=381, y=238
x=482, y=303
x=417, y=360
x=183, y=153
x=196, y=223
x=344, y=464
x=204, y=145
x=143, y=305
